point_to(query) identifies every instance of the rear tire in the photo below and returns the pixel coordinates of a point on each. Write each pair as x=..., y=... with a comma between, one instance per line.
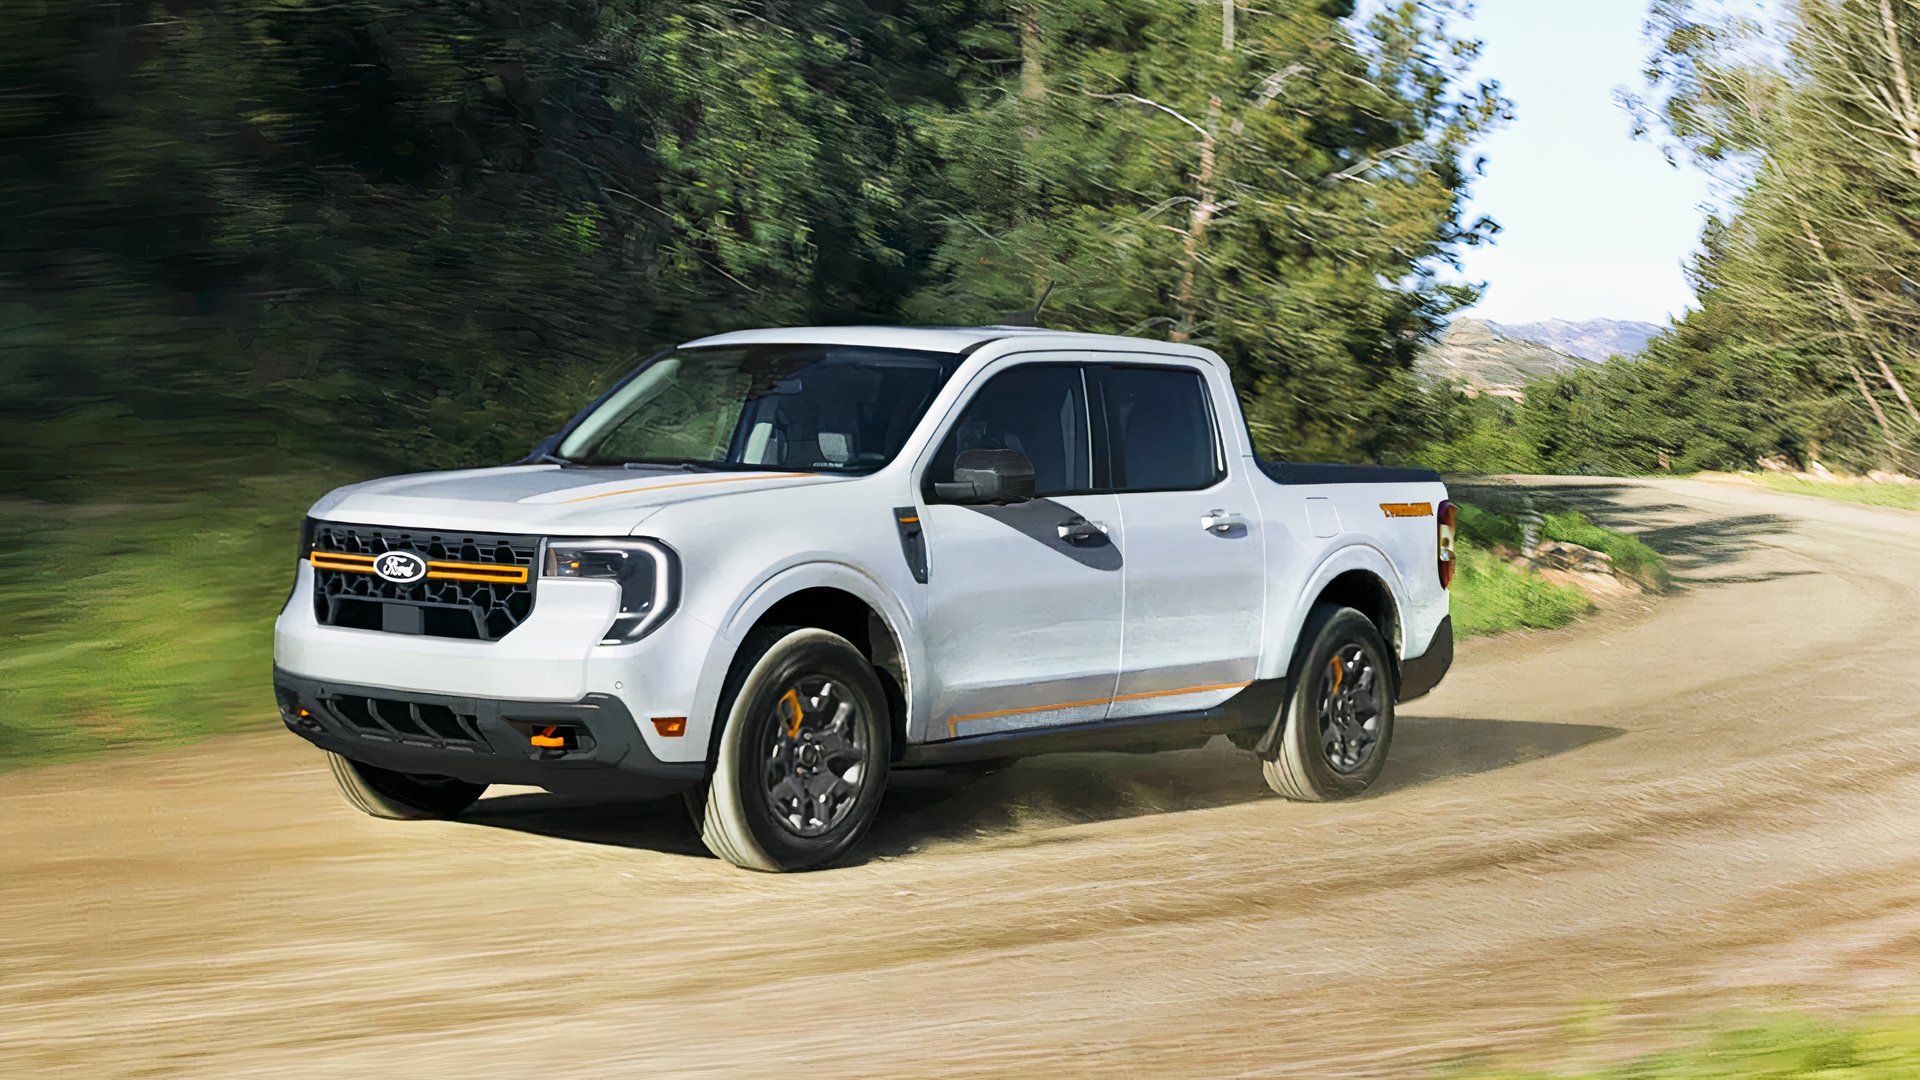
x=1339, y=723
x=802, y=760
x=397, y=796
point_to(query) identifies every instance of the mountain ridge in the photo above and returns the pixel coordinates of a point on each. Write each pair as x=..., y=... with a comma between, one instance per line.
x=1597, y=340
x=1486, y=356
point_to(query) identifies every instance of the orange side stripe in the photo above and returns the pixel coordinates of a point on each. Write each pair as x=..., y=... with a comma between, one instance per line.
x=686, y=484
x=956, y=721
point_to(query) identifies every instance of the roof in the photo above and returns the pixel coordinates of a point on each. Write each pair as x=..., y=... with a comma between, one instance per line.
x=948, y=339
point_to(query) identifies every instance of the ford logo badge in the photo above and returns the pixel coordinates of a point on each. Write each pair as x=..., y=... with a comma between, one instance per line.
x=400, y=567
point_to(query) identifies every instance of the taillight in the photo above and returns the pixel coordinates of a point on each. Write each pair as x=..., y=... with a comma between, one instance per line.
x=1444, y=526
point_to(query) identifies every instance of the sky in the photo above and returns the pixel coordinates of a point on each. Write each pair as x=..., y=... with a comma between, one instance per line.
x=1596, y=223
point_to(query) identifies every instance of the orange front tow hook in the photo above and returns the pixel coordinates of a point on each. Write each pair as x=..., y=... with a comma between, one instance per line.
x=546, y=738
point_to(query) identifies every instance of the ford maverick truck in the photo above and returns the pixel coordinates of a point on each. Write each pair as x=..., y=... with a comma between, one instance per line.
x=769, y=568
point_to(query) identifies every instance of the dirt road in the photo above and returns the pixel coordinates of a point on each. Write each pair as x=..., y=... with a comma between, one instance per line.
x=1585, y=838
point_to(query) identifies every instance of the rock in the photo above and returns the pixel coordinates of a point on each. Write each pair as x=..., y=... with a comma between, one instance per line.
x=1814, y=468
x=1776, y=463
x=1879, y=476
x=1560, y=555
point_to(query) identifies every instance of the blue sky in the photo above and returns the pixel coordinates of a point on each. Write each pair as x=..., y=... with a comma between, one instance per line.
x=1596, y=223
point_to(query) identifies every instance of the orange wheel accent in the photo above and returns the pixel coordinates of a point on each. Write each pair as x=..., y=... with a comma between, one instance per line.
x=791, y=699
x=1339, y=673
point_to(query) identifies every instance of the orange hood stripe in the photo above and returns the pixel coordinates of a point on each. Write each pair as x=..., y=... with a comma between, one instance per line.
x=686, y=484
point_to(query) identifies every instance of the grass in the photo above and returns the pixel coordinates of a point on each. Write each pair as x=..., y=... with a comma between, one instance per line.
x=1490, y=597
x=1897, y=496
x=144, y=614
x=1630, y=557
x=1787, y=1049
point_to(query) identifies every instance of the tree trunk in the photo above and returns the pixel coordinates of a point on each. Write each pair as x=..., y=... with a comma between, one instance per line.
x=1909, y=117
x=1033, y=72
x=1862, y=329
x=1204, y=204
x=1879, y=414
x=1033, y=89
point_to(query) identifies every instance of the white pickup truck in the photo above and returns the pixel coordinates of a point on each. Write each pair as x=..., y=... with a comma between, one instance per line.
x=767, y=568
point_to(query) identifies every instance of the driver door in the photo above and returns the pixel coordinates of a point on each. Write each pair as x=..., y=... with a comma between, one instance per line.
x=1023, y=602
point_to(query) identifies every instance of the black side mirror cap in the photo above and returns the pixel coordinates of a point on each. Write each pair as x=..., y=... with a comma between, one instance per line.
x=988, y=477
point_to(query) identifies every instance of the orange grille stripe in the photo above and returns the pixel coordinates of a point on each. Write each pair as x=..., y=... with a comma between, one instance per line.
x=956, y=721
x=508, y=575
x=330, y=560
x=437, y=570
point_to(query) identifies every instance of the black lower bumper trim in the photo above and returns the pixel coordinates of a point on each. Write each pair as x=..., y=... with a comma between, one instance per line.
x=1419, y=674
x=483, y=740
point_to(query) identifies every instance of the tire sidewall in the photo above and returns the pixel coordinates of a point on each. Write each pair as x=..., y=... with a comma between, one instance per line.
x=1339, y=628
x=385, y=793
x=737, y=784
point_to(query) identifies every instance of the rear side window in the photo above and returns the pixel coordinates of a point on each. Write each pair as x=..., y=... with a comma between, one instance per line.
x=1160, y=429
x=1040, y=411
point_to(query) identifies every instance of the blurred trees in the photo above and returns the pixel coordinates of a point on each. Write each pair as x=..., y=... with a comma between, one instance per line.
x=424, y=229
x=1806, y=340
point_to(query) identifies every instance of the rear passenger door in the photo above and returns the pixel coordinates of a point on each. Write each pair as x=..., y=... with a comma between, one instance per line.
x=1194, y=572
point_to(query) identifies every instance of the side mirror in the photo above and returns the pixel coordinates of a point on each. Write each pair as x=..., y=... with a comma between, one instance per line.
x=988, y=476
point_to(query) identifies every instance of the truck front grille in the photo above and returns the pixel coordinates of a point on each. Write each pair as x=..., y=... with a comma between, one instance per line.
x=450, y=603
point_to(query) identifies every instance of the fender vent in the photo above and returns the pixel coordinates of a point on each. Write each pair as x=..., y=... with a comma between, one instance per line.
x=476, y=610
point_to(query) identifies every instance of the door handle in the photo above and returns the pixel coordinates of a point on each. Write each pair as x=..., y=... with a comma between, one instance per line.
x=1222, y=522
x=1079, y=530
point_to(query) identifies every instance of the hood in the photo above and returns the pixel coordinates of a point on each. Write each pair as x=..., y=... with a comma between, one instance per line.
x=542, y=499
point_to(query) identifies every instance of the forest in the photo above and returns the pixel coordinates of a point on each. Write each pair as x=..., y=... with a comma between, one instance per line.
x=423, y=231
x=1803, y=346
x=420, y=232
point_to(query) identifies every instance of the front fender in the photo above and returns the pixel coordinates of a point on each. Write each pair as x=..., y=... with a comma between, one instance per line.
x=782, y=582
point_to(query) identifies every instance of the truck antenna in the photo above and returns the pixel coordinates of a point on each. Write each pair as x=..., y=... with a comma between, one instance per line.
x=1030, y=318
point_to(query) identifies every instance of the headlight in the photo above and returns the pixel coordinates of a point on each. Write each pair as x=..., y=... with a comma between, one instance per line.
x=648, y=573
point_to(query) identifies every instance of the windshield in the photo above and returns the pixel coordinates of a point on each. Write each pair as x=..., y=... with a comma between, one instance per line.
x=801, y=408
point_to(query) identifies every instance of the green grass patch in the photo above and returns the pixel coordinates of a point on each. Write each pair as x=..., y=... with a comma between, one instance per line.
x=1778, y=1050
x=1867, y=492
x=143, y=614
x=1490, y=597
x=1630, y=557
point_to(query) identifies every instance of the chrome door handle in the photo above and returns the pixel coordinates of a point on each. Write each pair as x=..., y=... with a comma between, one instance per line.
x=1079, y=530
x=1219, y=521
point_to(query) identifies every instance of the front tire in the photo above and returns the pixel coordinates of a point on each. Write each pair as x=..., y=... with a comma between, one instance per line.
x=398, y=796
x=802, y=761
x=1339, y=710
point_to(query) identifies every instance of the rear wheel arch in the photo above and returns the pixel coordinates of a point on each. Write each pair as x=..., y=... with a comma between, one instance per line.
x=1358, y=576
x=1368, y=593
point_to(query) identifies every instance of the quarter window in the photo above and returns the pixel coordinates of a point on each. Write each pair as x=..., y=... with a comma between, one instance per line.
x=1160, y=429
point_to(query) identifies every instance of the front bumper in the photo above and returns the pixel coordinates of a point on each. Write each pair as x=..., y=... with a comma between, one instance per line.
x=484, y=740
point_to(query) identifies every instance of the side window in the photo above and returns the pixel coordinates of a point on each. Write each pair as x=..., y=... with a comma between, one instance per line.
x=1040, y=411
x=1161, y=429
